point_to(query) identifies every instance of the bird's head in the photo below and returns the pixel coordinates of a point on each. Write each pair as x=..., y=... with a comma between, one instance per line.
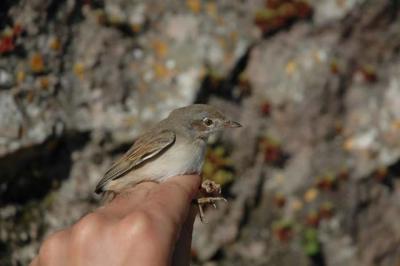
x=201, y=120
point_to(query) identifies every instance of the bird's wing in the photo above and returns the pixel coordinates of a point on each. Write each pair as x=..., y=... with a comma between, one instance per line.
x=147, y=146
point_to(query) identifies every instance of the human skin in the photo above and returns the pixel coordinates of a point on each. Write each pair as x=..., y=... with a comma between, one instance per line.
x=149, y=224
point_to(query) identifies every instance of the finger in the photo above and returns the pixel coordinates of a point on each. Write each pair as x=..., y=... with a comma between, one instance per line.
x=53, y=251
x=182, y=252
x=35, y=262
x=172, y=199
x=128, y=200
x=168, y=205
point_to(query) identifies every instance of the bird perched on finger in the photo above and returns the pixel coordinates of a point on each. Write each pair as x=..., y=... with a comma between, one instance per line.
x=174, y=146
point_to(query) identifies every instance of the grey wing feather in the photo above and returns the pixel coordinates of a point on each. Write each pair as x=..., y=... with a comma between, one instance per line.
x=144, y=148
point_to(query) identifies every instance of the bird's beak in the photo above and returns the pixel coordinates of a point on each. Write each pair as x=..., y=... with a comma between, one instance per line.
x=231, y=124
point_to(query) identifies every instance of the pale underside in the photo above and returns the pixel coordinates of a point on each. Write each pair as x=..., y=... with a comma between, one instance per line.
x=181, y=157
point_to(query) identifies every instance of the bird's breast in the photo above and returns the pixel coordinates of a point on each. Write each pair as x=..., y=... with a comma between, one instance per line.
x=181, y=158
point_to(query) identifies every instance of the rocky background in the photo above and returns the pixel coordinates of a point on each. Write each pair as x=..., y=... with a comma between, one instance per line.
x=312, y=178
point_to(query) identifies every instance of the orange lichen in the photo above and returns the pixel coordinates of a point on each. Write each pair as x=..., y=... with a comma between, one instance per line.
x=79, y=70
x=291, y=68
x=334, y=67
x=194, y=5
x=136, y=27
x=30, y=96
x=37, y=63
x=160, y=48
x=55, y=44
x=211, y=9
x=297, y=205
x=160, y=70
x=44, y=83
x=20, y=76
x=348, y=144
x=279, y=200
x=396, y=124
x=310, y=195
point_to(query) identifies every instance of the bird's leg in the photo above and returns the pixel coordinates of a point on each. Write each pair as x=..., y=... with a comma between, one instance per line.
x=209, y=188
x=207, y=200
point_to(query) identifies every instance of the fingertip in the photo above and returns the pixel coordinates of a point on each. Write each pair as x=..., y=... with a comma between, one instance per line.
x=172, y=199
x=52, y=249
x=34, y=262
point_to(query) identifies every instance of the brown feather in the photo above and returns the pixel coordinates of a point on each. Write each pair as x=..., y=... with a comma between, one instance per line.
x=146, y=147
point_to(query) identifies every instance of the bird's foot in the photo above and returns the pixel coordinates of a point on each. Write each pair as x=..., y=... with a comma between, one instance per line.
x=212, y=189
x=205, y=201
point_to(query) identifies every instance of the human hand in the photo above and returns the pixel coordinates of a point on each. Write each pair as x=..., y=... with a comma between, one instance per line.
x=150, y=224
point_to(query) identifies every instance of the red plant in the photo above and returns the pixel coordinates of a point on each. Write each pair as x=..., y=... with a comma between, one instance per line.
x=265, y=108
x=313, y=219
x=283, y=232
x=326, y=210
x=327, y=183
x=7, y=44
x=272, y=154
x=278, y=14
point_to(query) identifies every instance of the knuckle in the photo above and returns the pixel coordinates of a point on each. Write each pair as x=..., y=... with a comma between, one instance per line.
x=88, y=227
x=139, y=224
x=50, y=247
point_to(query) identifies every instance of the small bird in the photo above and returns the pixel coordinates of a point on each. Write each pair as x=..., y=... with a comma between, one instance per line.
x=174, y=146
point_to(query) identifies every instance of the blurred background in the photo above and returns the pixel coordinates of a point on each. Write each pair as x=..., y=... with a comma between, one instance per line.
x=312, y=178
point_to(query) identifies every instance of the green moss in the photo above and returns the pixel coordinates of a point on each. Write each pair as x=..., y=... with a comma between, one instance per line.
x=311, y=244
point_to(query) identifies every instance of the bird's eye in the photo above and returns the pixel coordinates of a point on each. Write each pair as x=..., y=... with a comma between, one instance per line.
x=208, y=122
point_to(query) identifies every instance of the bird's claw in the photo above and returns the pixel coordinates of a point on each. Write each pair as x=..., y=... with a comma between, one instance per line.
x=207, y=200
x=211, y=192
